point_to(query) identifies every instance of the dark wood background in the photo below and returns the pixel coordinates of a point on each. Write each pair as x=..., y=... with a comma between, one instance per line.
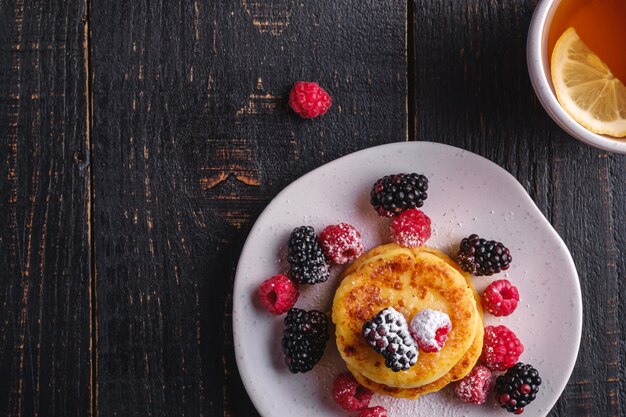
x=139, y=141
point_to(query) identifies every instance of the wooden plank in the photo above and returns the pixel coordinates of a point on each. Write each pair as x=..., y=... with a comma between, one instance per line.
x=617, y=199
x=45, y=310
x=192, y=137
x=473, y=91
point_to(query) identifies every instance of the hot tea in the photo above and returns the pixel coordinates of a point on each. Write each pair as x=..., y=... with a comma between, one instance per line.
x=601, y=24
x=587, y=45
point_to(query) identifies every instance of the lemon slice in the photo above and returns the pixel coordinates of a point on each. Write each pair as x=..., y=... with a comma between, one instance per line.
x=586, y=87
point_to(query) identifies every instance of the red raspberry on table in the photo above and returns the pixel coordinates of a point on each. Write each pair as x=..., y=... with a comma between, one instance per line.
x=341, y=243
x=278, y=294
x=474, y=388
x=349, y=394
x=377, y=411
x=309, y=100
x=500, y=298
x=411, y=228
x=501, y=348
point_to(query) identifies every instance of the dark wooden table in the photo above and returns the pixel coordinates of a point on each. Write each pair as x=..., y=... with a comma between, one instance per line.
x=139, y=141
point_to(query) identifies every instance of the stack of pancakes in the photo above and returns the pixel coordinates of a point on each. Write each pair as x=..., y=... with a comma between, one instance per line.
x=409, y=280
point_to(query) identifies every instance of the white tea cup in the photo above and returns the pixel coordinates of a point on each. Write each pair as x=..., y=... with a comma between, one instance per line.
x=539, y=71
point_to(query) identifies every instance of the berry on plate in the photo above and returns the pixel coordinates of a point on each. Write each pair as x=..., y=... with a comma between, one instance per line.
x=430, y=329
x=517, y=388
x=349, y=394
x=393, y=194
x=306, y=257
x=474, y=387
x=304, y=339
x=480, y=257
x=309, y=100
x=377, y=411
x=341, y=243
x=278, y=294
x=411, y=228
x=501, y=348
x=500, y=298
x=388, y=334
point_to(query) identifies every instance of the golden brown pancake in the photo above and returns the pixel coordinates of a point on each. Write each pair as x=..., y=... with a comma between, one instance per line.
x=409, y=280
x=458, y=371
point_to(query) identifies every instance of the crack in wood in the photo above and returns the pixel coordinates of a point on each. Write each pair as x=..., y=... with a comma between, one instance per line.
x=269, y=16
x=232, y=159
x=92, y=289
x=261, y=102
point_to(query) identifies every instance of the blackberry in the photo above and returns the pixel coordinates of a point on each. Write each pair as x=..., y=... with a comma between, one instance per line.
x=306, y=257
x=304, y=339
x=388, y=333
x=393, y=194
x=479, y=256
x=517, y=388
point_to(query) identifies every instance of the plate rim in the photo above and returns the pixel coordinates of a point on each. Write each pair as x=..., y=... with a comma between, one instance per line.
x=577, y=321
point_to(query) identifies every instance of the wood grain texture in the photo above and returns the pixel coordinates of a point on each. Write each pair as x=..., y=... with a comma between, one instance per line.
x=45, y=310
x=140, y=140
x=192, y=138
x=472, y=91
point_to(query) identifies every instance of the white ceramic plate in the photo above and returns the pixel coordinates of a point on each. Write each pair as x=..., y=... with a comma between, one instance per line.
x=467, y=194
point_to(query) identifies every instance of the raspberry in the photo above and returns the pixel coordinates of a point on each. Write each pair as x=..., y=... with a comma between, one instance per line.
x=349, y=394
x=501, y=348
x=388, y=334
x=517, y=388
x=474, y=388
x=479, y=256
x=377, y=411
x=309, y=100
x=500, y=298
x=411, y=228
x=278, y=294
x=341, y=243
x=304, y=339
x=306, y=257
x=393, y=194
x=430, y=329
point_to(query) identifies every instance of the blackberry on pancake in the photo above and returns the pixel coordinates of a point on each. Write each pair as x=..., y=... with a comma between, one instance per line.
x=388, y=334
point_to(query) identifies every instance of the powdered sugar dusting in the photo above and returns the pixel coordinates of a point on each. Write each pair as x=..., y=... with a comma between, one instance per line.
x=474, y=388
x=424, y=326
x=411, y=228
x=340, y=192
x=388, y=334
x=341, y=243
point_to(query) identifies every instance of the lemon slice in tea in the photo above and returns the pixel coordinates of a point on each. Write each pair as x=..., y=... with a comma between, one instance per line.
x=586, y=87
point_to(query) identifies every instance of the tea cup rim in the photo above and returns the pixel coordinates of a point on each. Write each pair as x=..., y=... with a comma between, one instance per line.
x=539, y=72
